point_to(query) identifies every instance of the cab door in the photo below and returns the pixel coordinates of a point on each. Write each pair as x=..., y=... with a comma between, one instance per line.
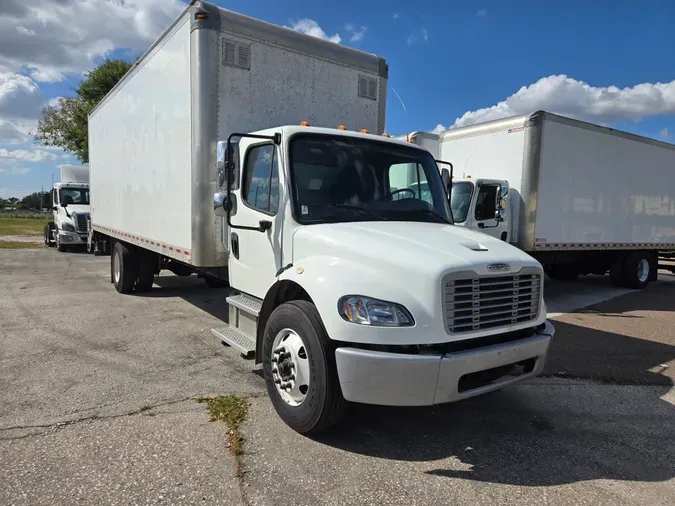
x=255, y=256
x=489, y=209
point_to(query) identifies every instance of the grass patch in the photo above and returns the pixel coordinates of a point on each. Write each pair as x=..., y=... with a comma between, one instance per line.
x=21, y=226
x=231, y=409
x=19, y=244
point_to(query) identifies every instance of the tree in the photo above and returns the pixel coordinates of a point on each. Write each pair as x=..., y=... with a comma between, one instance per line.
x=65, y=125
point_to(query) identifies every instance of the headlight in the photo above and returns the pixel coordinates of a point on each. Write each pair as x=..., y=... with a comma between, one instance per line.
x=68, y=227
x=369, y=311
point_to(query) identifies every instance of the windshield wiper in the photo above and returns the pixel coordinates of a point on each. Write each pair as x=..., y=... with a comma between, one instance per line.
x=355, y=208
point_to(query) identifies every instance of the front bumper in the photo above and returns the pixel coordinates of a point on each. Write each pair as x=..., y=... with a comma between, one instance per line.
x=72, y=238
x=393, y=379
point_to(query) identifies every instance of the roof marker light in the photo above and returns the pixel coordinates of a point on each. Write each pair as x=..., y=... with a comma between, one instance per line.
x=342, y=127
x=304, y=123
x=364, y=131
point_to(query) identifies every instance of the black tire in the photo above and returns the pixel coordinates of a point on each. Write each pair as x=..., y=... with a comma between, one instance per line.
x=146, y=271
x=46, y=234
x=630, y=268
x=324, y=405
x=59, y=245
x=128, y=268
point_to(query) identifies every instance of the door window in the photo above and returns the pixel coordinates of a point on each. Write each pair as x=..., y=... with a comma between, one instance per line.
x=486, y=202
x=261, y=179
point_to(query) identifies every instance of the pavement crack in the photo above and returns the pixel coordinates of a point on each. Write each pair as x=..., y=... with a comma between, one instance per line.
x=74, y=421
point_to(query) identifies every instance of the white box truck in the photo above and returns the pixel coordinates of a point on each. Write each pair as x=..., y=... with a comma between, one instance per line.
x=257, y=156
x=579, y=197
x=70, y=200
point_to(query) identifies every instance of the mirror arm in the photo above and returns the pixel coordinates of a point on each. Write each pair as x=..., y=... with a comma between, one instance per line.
x=263, y=225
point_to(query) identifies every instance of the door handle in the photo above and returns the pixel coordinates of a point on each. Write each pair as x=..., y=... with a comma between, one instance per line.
x=234, y=241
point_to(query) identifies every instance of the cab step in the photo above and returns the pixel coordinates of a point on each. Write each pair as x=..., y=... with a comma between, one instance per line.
x=245, y=303
x=243, y=323
x=236, y=338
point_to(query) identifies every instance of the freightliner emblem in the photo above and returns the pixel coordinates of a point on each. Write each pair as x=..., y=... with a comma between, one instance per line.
x=498, y=267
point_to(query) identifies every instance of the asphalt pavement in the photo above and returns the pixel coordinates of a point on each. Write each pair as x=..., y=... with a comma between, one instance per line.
x=98, y=406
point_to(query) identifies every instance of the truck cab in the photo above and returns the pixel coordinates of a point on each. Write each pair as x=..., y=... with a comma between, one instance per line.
x=69, y=227
x=482, y=204
x=351, y=282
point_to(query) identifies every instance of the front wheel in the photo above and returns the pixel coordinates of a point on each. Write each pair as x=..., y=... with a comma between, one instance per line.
x=299, y=369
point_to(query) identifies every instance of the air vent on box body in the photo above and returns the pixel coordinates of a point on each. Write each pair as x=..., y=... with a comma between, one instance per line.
x=367, y=87
x=236, y=54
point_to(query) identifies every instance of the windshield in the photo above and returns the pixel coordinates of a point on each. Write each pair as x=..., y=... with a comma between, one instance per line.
x=339, y=178
x=74, y=196
x=460, y=197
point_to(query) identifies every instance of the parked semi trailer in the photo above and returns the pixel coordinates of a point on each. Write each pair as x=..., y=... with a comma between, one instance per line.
x=579, y=197
x=70, y=200
x=256, y=156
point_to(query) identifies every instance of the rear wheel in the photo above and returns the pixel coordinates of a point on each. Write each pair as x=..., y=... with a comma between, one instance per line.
x=124, y=267
x=299, y=369
x=637, y=270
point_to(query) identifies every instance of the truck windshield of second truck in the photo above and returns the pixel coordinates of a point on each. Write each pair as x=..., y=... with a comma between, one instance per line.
x=338, y=178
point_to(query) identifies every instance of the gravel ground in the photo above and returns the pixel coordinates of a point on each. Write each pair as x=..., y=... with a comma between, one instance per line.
x=97, y=406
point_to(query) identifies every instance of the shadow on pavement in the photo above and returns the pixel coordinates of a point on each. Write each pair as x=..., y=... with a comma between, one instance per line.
x=194, y=291
x=541, y=433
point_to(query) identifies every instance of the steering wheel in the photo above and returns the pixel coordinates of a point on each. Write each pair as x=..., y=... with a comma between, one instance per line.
x=391, y=195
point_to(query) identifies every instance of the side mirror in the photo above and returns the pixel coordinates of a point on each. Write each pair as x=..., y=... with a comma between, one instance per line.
x=55, y=208
x=64, y=204
x=500, y=205
x=221, y=204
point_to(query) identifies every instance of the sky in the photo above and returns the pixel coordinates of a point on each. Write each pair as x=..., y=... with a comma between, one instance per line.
x=450, y=63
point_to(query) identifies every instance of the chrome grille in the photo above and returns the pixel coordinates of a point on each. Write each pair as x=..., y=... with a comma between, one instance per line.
x=81, y=222
x=483, y=302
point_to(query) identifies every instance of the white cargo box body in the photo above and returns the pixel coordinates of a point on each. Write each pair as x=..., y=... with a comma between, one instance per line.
x=578, y=186
x=152, y=140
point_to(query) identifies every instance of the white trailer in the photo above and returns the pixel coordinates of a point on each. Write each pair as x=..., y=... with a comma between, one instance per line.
x=70, y=198
x=257, y=156
x=581, y=198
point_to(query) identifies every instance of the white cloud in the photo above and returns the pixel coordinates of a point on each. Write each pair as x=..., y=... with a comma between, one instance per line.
x=311, y=27
x=15, y=133
x=664, y=134
x=415, y=36
x=439, y=129
x=26, y=155
x=16, y=172
x=54, y=37
x=481, y=13
x=20, y=97
x=6, y=193
x=568, y=97
x=357, y=33
x=395, y=15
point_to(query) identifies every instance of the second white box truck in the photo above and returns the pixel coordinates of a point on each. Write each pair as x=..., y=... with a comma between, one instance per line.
x=255, y=155
x=579, y=197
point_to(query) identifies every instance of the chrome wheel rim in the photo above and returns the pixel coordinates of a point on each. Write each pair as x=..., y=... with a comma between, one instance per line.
x=643, y=270
x=117, y=271
x=290, y=367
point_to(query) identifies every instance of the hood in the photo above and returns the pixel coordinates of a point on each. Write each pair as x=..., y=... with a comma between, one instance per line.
x=77, y=208
x=427, y=247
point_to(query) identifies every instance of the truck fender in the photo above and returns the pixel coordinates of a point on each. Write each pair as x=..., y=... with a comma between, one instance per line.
x=320, y=279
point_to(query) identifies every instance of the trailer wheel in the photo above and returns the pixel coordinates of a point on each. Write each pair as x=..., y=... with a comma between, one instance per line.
x=637, y=270
x=146, y=271
x=124, y=268
x=299, y=369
